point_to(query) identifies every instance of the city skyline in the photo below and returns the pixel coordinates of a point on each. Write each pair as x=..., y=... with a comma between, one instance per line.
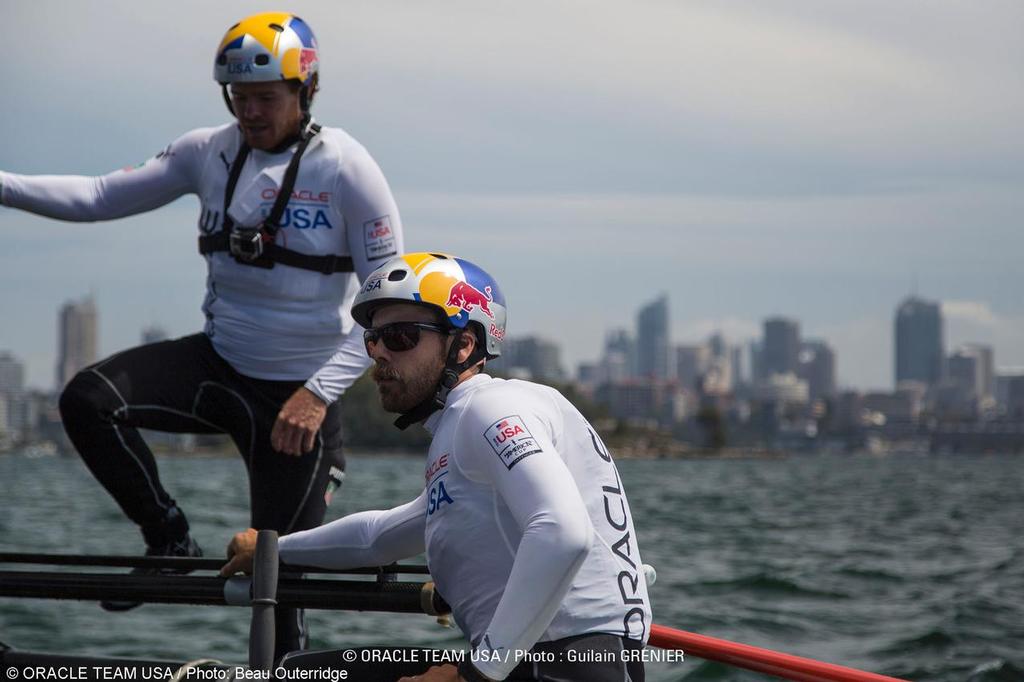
x=807, y=160
x=656, y=312
x=786, y=397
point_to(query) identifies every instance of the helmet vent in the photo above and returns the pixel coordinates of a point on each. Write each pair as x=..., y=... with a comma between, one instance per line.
x=439, y=255
x=397, y=275
x=277, y=27
x=262, y=59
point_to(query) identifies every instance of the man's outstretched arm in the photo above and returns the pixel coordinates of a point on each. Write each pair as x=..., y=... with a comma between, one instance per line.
x=367, y=538
x=78, y=198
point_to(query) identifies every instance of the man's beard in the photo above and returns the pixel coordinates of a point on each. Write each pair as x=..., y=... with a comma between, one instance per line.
x=400, y=394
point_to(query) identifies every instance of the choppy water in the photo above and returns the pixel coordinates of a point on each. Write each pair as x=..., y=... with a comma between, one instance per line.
x=907, y=566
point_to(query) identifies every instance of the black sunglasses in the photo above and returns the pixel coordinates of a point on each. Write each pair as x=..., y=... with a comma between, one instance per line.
x=400, y=336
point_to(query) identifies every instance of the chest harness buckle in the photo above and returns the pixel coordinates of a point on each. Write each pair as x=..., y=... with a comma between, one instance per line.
x=256, y=246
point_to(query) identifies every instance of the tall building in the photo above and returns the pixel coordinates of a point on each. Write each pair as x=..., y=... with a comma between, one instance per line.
x=970, y=371
x=1011, y=394
x=964, y=371
x=639, y=400
x=691, y=364
x=919, y=345
x=619, y=360
x=756, y=355
x=736, y=361
x=5, y=421
x=653, y=355
x=986, y=368
x=14, y=401
x=780, y=352
x=717, y=345
x=708, y=368
x=12, y=375
x=817, y=366
x=588, y=374
x=1001, y=383
x=538, y=359
x=847, y=413
x=721, y=376
x=76, y=339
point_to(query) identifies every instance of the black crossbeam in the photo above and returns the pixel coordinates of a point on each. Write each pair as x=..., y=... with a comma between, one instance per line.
x=352, y=595
x=183, y=563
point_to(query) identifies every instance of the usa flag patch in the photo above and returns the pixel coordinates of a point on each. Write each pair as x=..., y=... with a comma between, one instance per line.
x=511, y=440
x=379, y=238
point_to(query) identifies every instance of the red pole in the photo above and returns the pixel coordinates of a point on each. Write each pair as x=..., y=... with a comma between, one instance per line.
x=775, y=663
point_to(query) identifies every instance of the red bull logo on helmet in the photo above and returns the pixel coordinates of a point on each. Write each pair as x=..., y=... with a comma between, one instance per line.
x=464, y=291
x=307, y=60
x=467, y=297
x=267, y=47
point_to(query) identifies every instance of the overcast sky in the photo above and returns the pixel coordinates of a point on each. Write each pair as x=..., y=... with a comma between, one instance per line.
x=806, y=159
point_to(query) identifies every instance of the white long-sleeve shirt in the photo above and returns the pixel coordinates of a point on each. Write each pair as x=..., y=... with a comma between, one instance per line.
x=524, y=519
x=281, y=323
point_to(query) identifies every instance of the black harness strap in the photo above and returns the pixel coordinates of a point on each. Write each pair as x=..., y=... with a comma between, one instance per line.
x=271, y=252
x=272, y=224
x=229, y=189
x=328, y=264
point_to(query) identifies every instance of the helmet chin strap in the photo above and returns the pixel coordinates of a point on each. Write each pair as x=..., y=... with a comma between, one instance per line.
x=453, y=369
x=227, y=99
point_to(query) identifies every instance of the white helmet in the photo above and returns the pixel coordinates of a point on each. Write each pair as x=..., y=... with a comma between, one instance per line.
x=271, y=46
x=462, y=292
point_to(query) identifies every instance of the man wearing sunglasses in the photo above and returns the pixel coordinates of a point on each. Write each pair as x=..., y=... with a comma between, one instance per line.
x=523, y=517
x=292, y=218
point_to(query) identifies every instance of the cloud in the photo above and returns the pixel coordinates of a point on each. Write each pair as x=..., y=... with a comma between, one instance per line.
x=650, y=96
x=974, y=313
x=977, y=322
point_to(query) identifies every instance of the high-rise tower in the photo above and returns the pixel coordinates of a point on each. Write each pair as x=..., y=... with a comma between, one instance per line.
x=76, y=339
x=653, y=352
x=919, y=345
x=780, y=353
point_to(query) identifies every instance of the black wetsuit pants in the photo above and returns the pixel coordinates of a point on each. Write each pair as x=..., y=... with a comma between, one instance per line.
x=183, y=386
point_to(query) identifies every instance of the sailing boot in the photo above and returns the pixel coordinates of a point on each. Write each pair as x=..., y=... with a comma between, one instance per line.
x=170, y=538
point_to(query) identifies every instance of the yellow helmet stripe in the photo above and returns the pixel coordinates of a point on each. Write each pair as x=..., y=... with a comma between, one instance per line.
x=258, y=27
x=418, y=261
